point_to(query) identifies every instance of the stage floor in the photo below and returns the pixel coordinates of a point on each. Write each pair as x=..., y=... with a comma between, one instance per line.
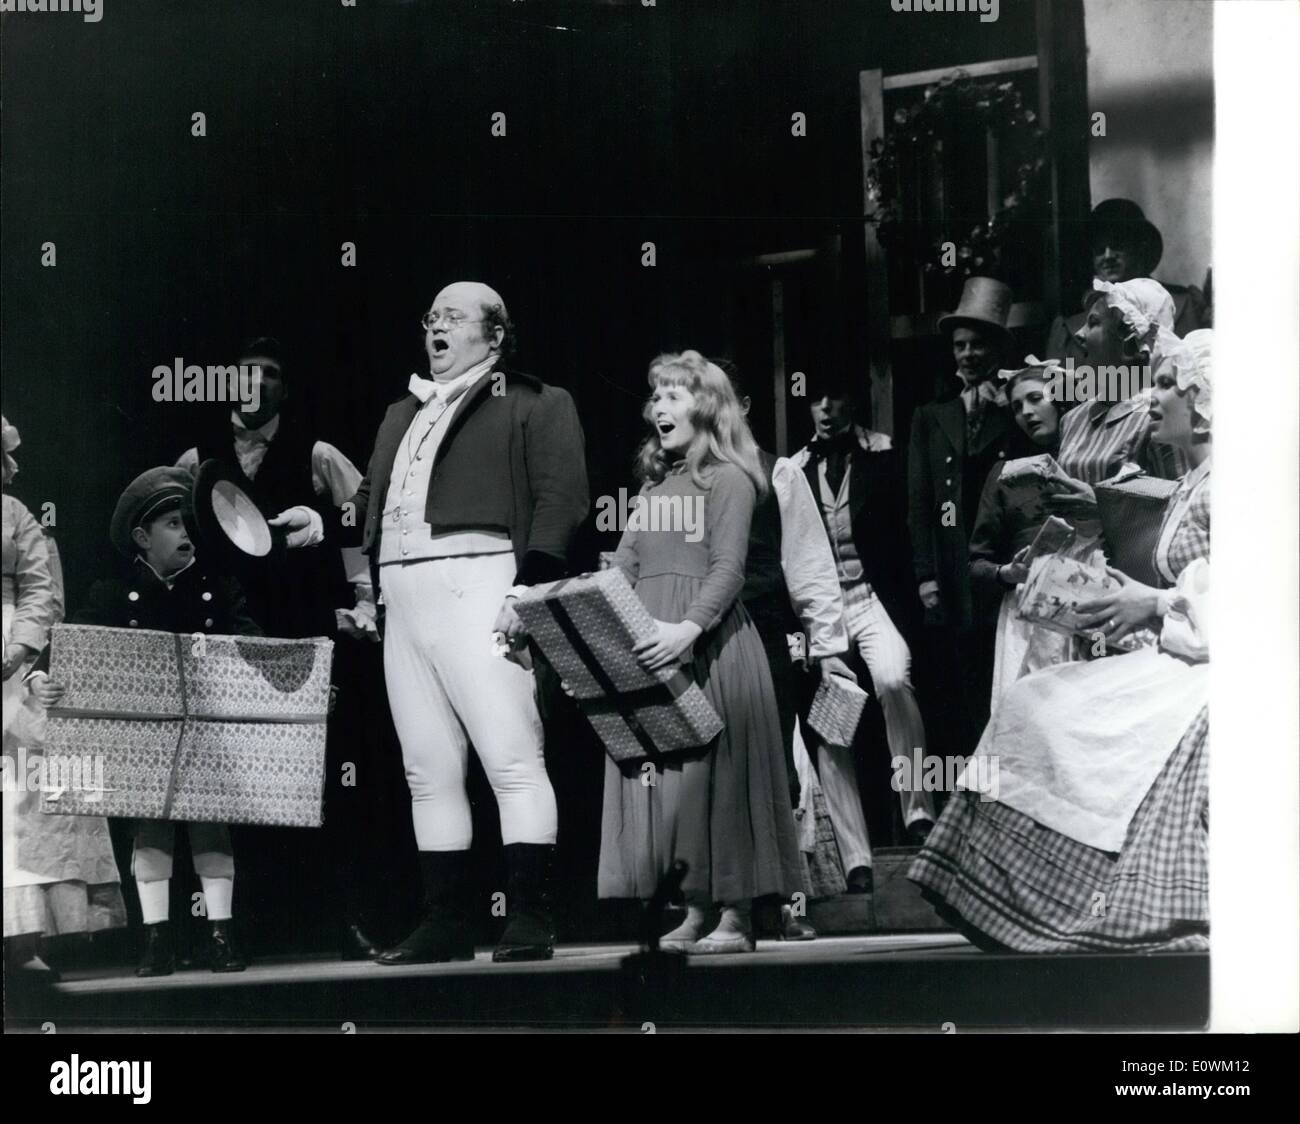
x=919, y=981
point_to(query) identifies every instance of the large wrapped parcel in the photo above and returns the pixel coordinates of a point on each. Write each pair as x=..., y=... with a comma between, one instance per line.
x=1057, y=586
x=227, y=729
x=586, y=627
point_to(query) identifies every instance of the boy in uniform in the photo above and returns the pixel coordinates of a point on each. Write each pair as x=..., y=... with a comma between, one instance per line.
x=164, y=587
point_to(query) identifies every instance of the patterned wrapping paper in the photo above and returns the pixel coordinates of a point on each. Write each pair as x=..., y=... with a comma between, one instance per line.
x=226, y=729
x=1132, y=511
x=1057, y=585
x=1028, y=482
x=1053, y=536
x=586, y=627
x=836, y=710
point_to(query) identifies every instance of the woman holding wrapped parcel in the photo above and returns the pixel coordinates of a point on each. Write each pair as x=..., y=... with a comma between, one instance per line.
x=1082, y=823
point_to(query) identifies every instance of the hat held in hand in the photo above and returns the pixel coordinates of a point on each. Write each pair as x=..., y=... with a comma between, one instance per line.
x=227, y=521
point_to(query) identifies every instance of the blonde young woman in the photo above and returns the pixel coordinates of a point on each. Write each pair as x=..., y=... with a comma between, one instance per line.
x=724, y=810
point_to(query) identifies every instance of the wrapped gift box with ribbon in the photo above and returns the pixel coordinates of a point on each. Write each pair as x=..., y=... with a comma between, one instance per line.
x=836, y=710
x=586, y=627
x=1057, y=586
x=227, y=729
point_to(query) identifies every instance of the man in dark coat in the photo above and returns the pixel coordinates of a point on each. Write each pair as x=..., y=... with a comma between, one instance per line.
x=954, y=445
x=1125, y=244
x=277, y=458
x=474, y=491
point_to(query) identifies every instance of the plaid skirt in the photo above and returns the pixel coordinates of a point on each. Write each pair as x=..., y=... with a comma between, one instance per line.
x=1008, y=882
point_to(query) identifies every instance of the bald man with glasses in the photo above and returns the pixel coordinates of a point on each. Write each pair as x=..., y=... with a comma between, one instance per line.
x=474, y=491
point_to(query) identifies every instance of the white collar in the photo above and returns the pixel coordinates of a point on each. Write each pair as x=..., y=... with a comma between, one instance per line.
x=425, y=389
x=266, y=432
x=170, y=581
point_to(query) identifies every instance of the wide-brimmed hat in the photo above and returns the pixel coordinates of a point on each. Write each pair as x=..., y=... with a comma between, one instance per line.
x=149, y=495
x=985, y=304
x=227, y=523
x=1124, y=217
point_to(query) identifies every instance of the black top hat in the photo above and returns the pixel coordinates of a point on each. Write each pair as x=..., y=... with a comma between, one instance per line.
x=1124, y=217
x=226, y=521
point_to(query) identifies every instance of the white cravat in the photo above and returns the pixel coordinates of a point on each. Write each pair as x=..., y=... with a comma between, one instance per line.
x=425, y=389
x=251, y=444
x=985, y=393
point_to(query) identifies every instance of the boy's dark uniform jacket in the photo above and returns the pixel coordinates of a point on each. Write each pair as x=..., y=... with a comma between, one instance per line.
x=939, y=471
x=511, y=461
x=197, y=602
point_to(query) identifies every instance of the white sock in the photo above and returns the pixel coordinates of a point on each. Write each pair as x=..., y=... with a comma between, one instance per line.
x=153, y=899
x=218, y=893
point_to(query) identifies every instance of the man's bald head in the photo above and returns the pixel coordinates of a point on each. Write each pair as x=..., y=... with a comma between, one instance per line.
x=470, y=324
x=466, y=294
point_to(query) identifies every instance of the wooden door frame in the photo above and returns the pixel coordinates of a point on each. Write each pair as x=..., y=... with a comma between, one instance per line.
x=1061, y=62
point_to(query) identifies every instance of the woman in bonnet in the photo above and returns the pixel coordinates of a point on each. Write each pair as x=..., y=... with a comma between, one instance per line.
x=1091, y=830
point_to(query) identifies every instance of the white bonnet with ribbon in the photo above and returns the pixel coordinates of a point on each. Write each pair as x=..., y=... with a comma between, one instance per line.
x=1144, y=305
x=1191, y=363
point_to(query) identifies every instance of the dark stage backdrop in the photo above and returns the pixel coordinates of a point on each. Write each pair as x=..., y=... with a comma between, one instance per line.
x=328, y=124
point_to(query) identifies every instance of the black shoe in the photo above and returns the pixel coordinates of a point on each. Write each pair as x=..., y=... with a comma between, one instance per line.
x=918, y=832
x=530, y=907
x=355, y=945
x=860, y=881
x=794, y=928
x=223, y=956
x=157, y=959
x=445, y=932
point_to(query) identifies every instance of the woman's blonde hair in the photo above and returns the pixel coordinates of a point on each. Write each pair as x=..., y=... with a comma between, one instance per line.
x=721, y=433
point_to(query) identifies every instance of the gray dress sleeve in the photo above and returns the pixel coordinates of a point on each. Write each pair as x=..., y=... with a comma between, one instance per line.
x=728, y=509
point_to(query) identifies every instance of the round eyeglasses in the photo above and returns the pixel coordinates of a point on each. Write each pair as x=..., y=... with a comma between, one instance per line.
x=430, y=322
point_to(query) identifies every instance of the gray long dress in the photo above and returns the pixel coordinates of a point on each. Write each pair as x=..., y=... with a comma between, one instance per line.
x=725, y=810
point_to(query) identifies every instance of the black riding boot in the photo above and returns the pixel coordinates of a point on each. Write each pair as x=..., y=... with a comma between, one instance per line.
x=157, y=959
x=445, y=933
x=530, y=903
x=223, y=956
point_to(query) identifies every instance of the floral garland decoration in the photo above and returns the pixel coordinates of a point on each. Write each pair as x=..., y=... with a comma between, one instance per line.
x=995, y=106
